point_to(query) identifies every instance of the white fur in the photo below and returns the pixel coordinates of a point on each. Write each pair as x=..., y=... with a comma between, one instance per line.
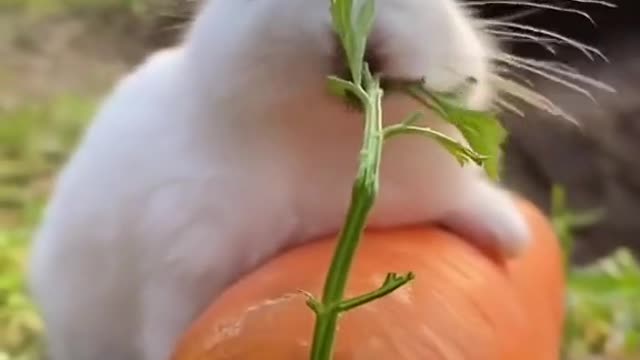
x=214, y=155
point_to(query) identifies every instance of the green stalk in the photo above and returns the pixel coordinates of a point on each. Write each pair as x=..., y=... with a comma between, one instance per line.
x=364, y=192
x=352, y=22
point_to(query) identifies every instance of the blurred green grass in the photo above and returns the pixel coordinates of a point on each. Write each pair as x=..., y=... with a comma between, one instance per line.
x=603, y=298
x=48, y=7
x=35, y=140
x=37, y=136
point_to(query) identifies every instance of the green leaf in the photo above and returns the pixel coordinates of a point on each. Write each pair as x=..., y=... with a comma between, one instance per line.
x=352, y=21
x=340, y=12
x=363, y=22
x=462, y=153
x=483, y=131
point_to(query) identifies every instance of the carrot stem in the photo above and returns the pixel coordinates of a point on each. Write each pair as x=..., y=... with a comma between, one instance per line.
x=352, y=22
x=364, y=194
x=367, y=89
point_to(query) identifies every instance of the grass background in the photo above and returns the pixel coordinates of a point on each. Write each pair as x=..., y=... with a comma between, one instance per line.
x=57, y=57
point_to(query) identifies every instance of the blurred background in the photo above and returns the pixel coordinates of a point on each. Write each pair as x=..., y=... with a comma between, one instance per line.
x=58, y=57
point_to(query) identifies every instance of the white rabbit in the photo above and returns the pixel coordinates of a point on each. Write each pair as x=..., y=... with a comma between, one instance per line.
x=214, y=155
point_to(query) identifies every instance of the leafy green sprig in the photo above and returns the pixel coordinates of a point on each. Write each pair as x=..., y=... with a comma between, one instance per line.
x=352, y=22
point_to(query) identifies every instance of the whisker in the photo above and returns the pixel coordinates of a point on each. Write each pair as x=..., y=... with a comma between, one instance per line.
x=551, y=77
x=586, y=49
x=507, y=75
x=502, y=103
x=525, y=2
x=554, y=67
x=529, y=96
x=505, y=70
x=556, y=64
x=523, y=37
x=519, y=14
x=597, y=2
x=533, y=5
x=512, y=36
